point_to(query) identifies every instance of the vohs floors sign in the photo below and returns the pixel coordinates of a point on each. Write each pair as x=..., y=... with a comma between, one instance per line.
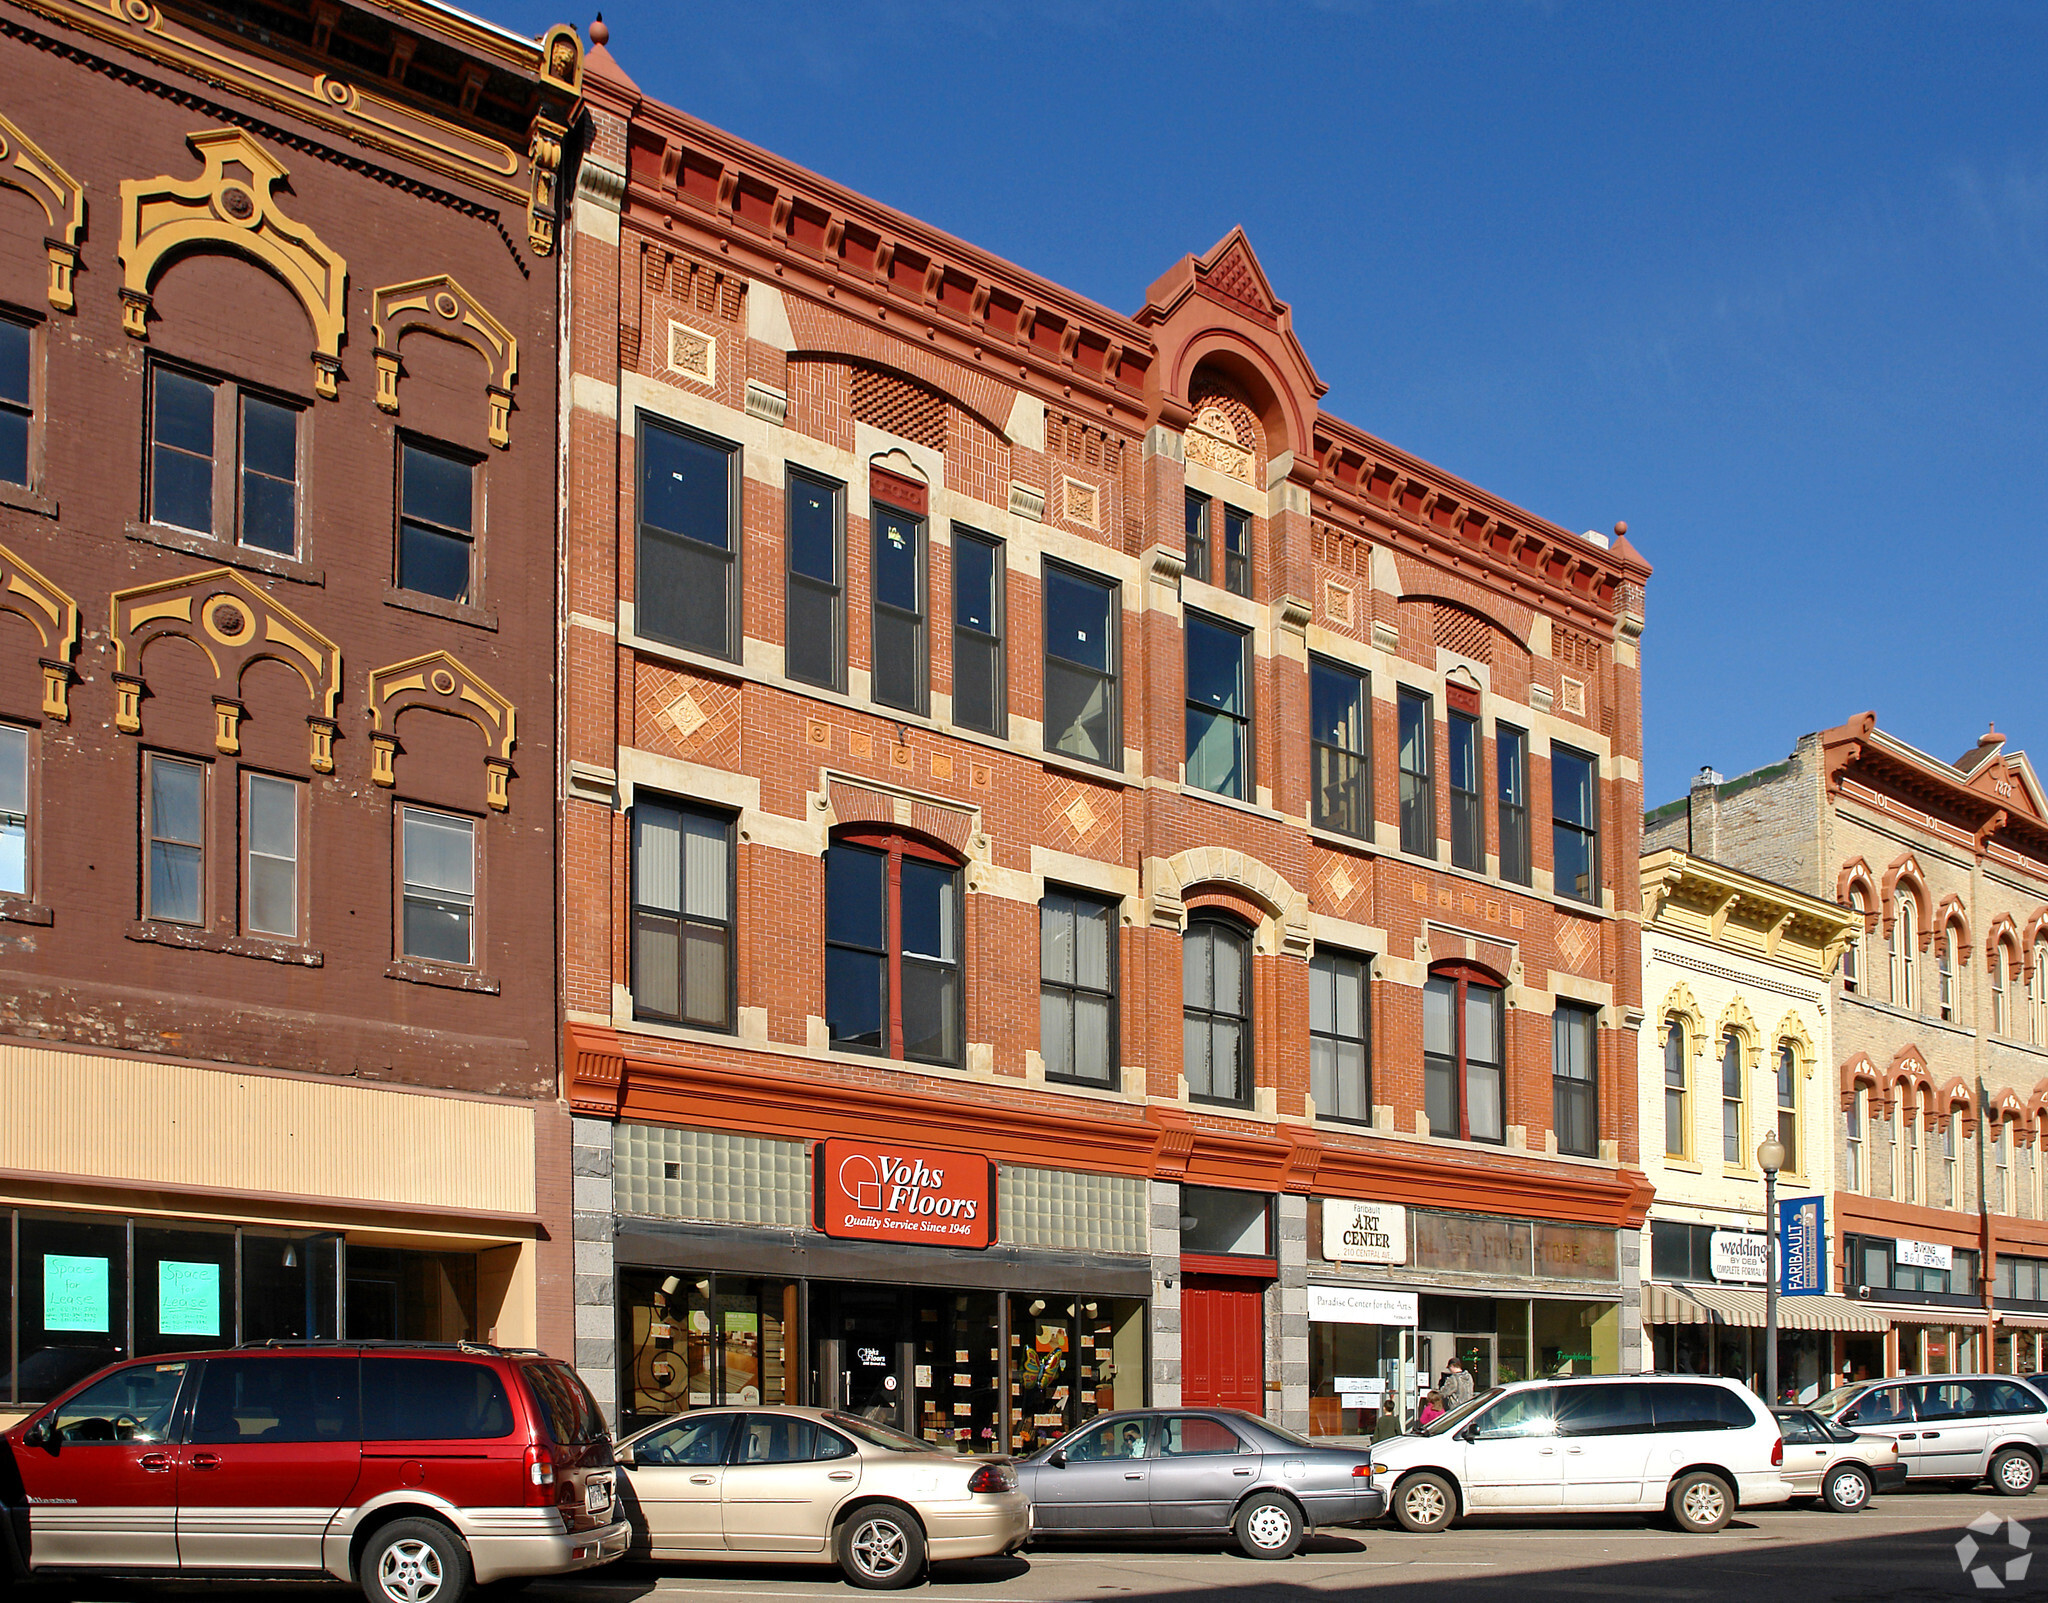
x=880, y=1191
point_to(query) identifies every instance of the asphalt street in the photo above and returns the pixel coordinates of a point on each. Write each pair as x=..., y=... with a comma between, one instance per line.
x=1903, y=1547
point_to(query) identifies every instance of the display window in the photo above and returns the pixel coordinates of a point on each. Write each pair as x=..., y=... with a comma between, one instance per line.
x=1071, y=1359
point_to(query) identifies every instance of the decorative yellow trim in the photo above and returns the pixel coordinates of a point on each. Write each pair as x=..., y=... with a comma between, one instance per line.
x=359, y=113
x=439, y=305
x=234, y=624
x=54, y=617
x=1679, y=1004
x=441, y=682
x=1736, y=1016
x=26, y=166
x=544, y=156
x=230, y=205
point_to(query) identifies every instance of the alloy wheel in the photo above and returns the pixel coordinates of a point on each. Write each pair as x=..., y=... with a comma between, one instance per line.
x=1703, y=1503
x=1424, y=1503
x=410, y=1572
x=2016, y=1473
x=879, y=1548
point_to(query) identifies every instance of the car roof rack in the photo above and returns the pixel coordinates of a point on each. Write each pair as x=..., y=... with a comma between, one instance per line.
x=372, y=1344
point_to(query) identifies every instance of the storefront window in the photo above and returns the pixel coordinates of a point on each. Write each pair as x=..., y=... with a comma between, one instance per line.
x=73, y=1311
x=396, y=1295
x=1214, y=1222
x=1360, y=1378
x=1071, y=1358
x=958, y=1378
x=693, y=1341
x=290, y=1287
x=184, y=1289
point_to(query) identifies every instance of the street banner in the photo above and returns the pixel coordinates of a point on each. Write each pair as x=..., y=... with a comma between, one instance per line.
x=1802, y=1247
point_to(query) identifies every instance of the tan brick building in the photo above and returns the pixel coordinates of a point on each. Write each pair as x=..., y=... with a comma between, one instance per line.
x=1089, y=879
x=1943, y=991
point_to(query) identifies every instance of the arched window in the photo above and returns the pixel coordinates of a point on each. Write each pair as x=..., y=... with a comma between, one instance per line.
x=2001, y=1169
x=1947, y=958
x=1949, y=1168
x=2037, y=994
x=893, y=969
x=1852, y=952
x=2001, y=1019
x=1897, y=1118
x=1677, y=1085
x=1904, y=990
x=1909, y=1110
x=1733, y=1131
x=1788, y=1107
x=1216, y=1011
x=1462, y=1060
x=1852, y=1161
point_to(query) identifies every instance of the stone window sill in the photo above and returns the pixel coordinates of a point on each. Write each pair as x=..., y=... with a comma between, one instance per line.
x=26, y=500
x=235, y=556
x=435, y=607
x=445, y=975
x=24, y=910
x=193, y=939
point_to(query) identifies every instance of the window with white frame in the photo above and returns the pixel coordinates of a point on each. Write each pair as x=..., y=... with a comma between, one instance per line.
x=1898, y=1114
x=14, y=810
x=2037, y=994
x=1947, y=960
x=2001, y=1168
x=1852, y=1150
x=437, y=921
x=270, y=828
x=1910, y=1112
x=174, y=826
x=1733, y=1146
x=1852, y=949
x=2001, y=1020
x=1676, y=1087
x=1905, y=992
x=1788, y=1106
x=682, y=944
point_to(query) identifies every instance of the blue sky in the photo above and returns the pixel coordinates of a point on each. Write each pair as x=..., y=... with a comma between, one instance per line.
x=1765, y=281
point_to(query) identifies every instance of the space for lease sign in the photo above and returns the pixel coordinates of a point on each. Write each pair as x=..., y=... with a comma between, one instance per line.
x=928, y=1196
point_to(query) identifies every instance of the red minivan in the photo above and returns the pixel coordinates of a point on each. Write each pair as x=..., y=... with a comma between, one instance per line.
x=415, y=1469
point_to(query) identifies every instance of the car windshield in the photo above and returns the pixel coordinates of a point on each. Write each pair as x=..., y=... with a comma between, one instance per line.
x=1828, y=1402
x=1458, y=1415
x=866, y=1430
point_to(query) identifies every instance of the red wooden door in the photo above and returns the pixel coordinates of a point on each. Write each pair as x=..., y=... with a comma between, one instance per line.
x=1222, y=1343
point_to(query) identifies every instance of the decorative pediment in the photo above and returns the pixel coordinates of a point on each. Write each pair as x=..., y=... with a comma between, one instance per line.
x=231, y=206
x=1736, y=1017
x=233, y=623
x=439, y=305
x=54, y=617
x=1679, y=1007
x=440, y=682
x=26, y=166
x=1792, y=1030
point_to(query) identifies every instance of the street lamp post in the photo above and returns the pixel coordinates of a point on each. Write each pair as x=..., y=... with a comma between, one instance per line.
x=1770, y=1157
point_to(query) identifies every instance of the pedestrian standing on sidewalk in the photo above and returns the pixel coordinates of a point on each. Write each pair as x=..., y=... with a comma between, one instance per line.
x=1455, y=1387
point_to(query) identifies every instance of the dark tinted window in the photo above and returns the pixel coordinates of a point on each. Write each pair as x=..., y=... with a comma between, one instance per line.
x=266, y=1399
x=684, y=587
x=1619, y=1410
x=433, y=1400
x=2004, y=1397
x=1887, y=1405
x=1679, y=1407
x=1192, y=1436
x=568, y=1413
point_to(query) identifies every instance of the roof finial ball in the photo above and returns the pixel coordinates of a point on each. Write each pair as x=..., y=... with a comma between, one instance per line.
x=599, y=32
x=1620, y=529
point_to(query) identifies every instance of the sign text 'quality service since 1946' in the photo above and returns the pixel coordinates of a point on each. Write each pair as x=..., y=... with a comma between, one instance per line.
x=928, y=1196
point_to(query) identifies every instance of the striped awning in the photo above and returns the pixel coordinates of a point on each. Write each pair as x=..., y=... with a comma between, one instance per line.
x=1728, y=1305
x=1953, y=1318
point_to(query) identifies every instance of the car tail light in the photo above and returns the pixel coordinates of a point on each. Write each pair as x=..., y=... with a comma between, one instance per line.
x=540, y=1475
x=993, y=1478
x=1362, y=1471
x=1778, y=1453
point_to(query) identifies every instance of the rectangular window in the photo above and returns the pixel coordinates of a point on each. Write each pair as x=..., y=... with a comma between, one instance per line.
x=1676, y=1126
x=1852, y=1169
x=17, y=398
x=978, y=693
x=900, y=664
x=686, y=579
x=682, y=915
x=1216, y=1012
x=1198, y=537
x=1219, y=748
x=1788, y=1109
x=1237, y=551
x=815, y=629
x=14, y=810
x=1339, y=1037
x=1574, y=1080
x=1340, y=749
x=1462, y=1068
x=271, y=838
x=181, y=451
x=1575, y=829
x=893, y=970
x=1511, y=764
x=270, y=476
x=1468, y=832
x=1077, y=1034
x=436, y=522
x=174, y=887
x=1082, y=718
x=439, y=914
x=1732, y=1143
x=1418, y=787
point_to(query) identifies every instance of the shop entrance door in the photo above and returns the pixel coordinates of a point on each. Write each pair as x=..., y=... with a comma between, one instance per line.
x=1222, y=1343
x=1436, y=1348
x=862, y=1352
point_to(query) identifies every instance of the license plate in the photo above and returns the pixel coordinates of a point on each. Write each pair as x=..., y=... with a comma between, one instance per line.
x=598, y=1496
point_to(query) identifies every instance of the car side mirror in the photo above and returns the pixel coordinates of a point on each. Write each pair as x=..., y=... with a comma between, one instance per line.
x=38, y=1434
x=625, y=1456
x=1059, y=1458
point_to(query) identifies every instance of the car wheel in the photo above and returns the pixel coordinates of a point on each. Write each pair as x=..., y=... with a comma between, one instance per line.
x=1425, y=1504
x=1268, y=1526
x=880, y=1547
x=1847, y=1490
x=414, y=1561
x=2014, y=1473
x=1701, y=1502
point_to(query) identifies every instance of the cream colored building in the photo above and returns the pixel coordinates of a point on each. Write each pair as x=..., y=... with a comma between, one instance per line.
x=1736, y=1043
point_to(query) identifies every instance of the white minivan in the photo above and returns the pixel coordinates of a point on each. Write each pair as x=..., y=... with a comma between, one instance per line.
x=1695, y=1446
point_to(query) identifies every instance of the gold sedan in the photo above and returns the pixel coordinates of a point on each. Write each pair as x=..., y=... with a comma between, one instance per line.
x=807, y=1486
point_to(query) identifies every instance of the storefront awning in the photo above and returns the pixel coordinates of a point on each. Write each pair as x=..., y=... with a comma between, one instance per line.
x=1952, y=1318
x=1727, y=1305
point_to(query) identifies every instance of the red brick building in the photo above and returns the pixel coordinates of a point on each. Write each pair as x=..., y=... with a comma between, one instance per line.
x=277, y=456
x=1088, y=879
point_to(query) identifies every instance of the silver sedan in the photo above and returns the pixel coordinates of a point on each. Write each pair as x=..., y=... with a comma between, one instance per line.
x=1182, y=1472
